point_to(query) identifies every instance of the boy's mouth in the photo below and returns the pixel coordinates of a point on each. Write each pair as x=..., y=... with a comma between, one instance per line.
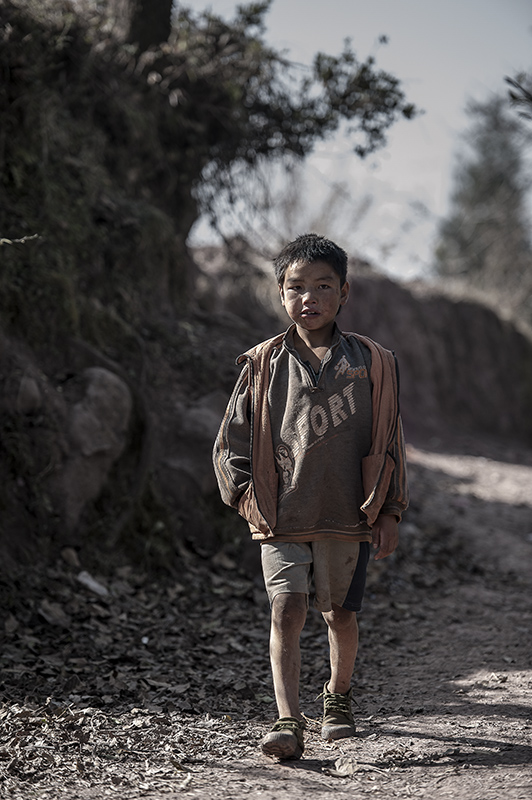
x=308, y=313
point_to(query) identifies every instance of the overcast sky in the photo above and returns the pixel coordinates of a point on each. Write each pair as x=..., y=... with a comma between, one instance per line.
x=444, y=53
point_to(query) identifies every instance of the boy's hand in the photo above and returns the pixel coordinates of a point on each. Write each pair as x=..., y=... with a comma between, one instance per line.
x=385, y=535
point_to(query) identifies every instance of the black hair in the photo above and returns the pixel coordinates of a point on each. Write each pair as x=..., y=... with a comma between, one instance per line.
x=308, y=248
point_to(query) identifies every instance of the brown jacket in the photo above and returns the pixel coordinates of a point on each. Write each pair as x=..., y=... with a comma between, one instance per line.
x=252, y=487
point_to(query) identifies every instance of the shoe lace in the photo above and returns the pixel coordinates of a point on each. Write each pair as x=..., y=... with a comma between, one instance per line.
x=288, y=724
x=336, y=702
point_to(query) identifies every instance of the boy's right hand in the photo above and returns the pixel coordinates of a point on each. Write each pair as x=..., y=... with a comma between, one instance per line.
x=385, y=535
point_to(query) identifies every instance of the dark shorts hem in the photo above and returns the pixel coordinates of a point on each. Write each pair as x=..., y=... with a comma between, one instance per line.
x=355, y=594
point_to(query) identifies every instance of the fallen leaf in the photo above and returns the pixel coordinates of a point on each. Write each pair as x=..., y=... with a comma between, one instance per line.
x=346, y=765
x=11, y=624
x=54, y=613
x=185, y=783
x=86, y=580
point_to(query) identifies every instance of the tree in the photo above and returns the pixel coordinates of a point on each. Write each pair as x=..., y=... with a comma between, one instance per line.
x=485, y=241
x=145, y=23
x=258, y=106
x=521, y=94
x=100, y=138
x=258, y=109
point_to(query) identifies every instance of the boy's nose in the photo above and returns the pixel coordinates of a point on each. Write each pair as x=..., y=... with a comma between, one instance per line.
x=308, y=297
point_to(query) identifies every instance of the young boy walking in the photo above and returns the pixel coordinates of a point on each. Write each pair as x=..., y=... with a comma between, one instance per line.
x=311, y=453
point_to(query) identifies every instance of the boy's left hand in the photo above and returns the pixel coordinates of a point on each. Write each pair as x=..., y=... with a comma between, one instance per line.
x=385, y=535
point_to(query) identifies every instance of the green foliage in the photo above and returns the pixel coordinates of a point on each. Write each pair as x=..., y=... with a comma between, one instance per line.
x=357, y=92
x=252, y=102
x=485, y=241
x=104, y=150
x=68, y=119
x=521, y=94
x=29, y=453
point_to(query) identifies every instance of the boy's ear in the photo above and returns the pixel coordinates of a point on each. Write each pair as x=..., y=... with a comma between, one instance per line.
x=344, y=293
x=281, y=293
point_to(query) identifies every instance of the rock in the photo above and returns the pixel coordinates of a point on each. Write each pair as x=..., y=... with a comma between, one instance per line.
x=70, y=557
x=201, y=422
x=90, y=583
x=99, y=420
x=29, y=398
x=197, y=427
x=97, y=432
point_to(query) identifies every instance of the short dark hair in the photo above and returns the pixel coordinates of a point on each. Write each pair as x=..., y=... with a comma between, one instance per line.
x=308, y=248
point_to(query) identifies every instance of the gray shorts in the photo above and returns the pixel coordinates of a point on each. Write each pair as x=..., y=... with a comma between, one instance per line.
x=337, y=570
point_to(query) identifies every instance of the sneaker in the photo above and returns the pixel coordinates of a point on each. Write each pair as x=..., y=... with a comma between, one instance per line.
x=338, y=722
x=285, y=740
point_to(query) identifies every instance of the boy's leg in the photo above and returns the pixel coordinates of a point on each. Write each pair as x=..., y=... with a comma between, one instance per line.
x=330, y=560
x=338, y=722
x=289, y=611
x=286, y=568
x=343, y=646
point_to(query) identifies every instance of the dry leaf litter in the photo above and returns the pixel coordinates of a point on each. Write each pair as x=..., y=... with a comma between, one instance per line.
x=128, y=687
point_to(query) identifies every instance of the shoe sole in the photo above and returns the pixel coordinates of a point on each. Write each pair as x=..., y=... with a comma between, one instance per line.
x=332, y=732
x=282, y=750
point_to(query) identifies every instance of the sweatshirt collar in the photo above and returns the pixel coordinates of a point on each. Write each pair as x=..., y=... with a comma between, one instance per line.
x=288, y=339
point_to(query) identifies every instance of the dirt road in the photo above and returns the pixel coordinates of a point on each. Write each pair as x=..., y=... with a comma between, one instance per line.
x=159, y=691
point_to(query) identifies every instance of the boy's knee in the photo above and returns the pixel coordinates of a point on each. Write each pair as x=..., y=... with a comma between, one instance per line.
x=289, y=609
x=339, y=618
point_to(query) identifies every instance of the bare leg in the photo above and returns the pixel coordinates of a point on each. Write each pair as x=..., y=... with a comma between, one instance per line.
x=289, y=612
x=343, y=646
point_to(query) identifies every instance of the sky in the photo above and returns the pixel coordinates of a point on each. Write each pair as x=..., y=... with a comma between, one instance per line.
x=444, y=54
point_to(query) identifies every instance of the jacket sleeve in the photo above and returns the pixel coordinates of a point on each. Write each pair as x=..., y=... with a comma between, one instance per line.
x=232, y=448
x=397, y=496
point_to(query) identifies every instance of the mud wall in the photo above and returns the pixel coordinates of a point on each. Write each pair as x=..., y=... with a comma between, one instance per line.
x=462, y=367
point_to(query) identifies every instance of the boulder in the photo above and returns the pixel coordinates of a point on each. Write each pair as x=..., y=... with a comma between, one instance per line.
x=97, y=434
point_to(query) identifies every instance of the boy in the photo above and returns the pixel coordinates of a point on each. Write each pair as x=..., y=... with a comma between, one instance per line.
x=311, y=453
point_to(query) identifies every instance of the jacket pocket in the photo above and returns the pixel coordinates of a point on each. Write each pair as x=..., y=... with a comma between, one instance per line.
x=248, y=508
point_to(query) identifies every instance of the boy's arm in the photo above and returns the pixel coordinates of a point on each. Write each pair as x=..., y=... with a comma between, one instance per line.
x=385, y=533
x=397, y=496
x=231, y=454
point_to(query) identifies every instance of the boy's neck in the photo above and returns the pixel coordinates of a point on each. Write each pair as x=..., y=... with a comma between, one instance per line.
x=316, y=339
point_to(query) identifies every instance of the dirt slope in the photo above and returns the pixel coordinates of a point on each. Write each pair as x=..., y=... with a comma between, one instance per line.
x=142, y=690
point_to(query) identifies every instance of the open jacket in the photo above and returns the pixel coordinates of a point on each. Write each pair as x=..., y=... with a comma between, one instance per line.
x=250, y=482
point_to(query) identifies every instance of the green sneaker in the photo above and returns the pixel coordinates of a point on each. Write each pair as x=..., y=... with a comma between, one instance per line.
x=338, y=722
x=285, y=740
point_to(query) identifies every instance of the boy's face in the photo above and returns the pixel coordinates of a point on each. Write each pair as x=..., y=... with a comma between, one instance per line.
x=312, y=294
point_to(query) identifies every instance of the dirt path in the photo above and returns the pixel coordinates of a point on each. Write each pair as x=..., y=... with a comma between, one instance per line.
x=443, y=679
